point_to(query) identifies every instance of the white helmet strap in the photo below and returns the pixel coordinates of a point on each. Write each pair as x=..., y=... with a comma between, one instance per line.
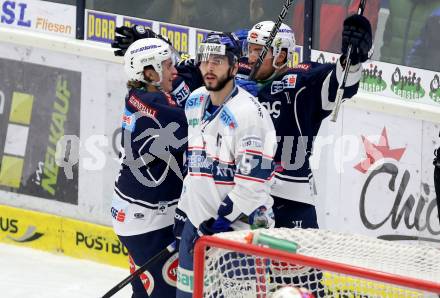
x=275, y=58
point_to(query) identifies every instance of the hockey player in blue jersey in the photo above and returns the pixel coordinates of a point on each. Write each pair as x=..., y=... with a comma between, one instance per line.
x=149, y=183
x=298, y=100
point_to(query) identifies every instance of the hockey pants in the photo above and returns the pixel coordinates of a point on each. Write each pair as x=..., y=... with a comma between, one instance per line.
x=159, y=281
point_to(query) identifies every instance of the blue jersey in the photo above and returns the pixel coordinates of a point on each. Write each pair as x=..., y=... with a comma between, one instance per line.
x=154, y=134
x=298, y=101
x=188, y=79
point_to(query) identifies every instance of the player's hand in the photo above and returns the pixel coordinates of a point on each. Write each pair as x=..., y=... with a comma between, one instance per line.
x=179, y=222
x=125, y=36
x=241, y=34
x=249, y=86
x=186, y=61
x=214, y=226
x=357, y=32
x=262, y=218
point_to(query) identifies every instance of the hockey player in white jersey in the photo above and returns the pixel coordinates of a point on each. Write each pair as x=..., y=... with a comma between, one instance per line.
x=231, y=143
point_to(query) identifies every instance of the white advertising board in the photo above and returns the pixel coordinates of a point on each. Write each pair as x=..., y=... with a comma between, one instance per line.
x=40, y=16
x=381, y=183
x=394, y=81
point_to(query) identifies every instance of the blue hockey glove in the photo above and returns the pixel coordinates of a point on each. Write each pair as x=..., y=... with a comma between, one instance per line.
x=249, y=86
x=179, y=222
x=357, y=31
x=241, y=34
x=214, y=226
x=227, y=214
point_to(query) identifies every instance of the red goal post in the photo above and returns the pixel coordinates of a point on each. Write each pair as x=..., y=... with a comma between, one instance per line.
x=233, y=268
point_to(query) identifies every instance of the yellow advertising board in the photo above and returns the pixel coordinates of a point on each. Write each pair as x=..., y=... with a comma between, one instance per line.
x=61, y=235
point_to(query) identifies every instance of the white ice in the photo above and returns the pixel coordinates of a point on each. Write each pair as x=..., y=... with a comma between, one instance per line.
x=26, y=272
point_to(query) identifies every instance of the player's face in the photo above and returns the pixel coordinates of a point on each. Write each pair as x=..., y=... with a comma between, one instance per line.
x=169, y=73
x=215, y=71
x=266, y=68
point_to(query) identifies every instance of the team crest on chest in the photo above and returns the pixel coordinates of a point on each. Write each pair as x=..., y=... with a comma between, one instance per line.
x=288, y=82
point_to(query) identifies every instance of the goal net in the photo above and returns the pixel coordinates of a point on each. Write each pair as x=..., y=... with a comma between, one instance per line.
x=328, y=264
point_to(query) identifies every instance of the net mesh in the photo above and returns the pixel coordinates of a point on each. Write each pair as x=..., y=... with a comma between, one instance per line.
x=232, y=274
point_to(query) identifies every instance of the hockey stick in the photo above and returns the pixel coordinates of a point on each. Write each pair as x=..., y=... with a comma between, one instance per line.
x=437, y=178
x=163, y=254
x=340, y=92
x=269, y=41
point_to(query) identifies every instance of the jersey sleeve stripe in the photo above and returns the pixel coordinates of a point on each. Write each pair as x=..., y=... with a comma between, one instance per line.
x=200, y=175
x=250, y=178
x=254, y=152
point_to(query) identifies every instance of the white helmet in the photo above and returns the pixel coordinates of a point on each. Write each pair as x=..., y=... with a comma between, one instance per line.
x=292, y=292
x=146, y=52
x=284, y=39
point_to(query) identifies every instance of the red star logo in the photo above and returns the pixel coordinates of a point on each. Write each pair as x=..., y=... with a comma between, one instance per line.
x=377, y=152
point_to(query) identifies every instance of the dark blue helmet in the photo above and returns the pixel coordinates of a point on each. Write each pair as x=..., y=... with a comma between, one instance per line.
x=232, y=47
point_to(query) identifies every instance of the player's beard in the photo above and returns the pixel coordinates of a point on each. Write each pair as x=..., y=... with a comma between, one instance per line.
x=221, y=82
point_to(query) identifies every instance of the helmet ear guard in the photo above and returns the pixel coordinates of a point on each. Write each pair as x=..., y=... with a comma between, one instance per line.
x=284, y=39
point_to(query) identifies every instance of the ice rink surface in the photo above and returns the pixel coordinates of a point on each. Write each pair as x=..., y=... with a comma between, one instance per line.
x=27, y=272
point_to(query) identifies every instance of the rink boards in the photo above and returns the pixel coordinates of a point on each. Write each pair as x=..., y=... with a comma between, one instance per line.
x=46, y=71
x=61, y=235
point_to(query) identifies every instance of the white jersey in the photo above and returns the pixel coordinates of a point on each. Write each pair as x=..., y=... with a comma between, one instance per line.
x=229, y=154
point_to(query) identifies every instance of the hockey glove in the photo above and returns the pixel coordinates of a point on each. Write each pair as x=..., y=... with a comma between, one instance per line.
x=125, y=36
x=262, y=218
x=214, y=226
x=227, y=213
x=179, y=222
x=357, y=32
x=249, y=86
x=241, y=34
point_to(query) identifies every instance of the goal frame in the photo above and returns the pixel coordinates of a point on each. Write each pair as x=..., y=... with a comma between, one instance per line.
x=215, y=242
